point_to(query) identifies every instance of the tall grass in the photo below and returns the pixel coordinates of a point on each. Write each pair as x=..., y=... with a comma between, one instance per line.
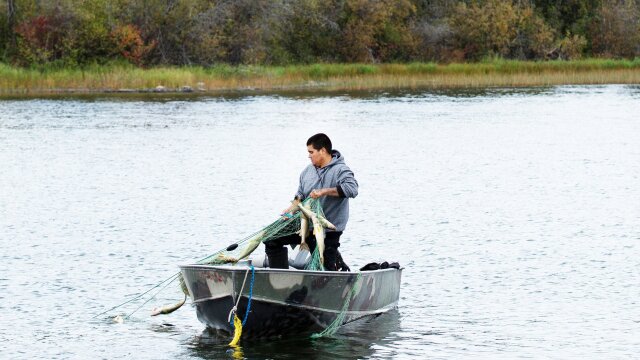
x=491, y=72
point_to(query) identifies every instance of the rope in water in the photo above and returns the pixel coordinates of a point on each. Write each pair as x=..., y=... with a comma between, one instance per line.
x=168, y=281
x=152, y=297
x=171, y=278
x=236, y=324
x=235, y=307
x=246, y=314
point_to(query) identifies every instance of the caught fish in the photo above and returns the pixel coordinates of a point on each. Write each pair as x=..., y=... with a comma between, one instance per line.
x=325, y=223
x=304, y=231
x=252, y=244
x=118, y=319
x=168, y=309
x=318, y=231
x=183, y=286
x=306, y=211
x=225, y=259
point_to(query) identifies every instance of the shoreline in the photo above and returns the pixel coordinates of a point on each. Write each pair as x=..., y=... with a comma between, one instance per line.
x=123, y=79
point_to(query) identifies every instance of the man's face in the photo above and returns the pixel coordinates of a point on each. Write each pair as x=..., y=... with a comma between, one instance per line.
x=315, y=155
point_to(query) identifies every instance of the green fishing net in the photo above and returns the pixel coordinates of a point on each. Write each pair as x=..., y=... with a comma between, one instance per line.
x=311, y=222
x=339, y=320
x=295, y=224
x=279, y=228
x=310, y=219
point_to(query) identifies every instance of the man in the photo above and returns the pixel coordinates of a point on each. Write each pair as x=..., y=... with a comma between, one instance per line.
x=329, y=179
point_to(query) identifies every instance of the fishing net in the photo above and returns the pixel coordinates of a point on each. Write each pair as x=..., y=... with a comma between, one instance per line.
x=311, y=220
x=339, y=320
x=307, y=220
x=294, y=224
x=284, y=227
x=279, y=228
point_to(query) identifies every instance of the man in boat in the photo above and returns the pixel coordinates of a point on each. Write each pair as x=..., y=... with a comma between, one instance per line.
x=329, y=179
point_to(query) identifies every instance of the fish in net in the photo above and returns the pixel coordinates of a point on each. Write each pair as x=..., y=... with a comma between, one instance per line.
x=310, y=212
x=309, y=216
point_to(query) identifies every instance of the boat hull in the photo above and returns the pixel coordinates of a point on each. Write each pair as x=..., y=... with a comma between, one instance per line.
x=285, y=302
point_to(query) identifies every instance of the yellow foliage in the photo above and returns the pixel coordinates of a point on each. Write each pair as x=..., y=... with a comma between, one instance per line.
x=500, y=28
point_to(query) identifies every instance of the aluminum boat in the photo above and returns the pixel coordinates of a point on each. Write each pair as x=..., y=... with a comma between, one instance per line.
x=284, y=302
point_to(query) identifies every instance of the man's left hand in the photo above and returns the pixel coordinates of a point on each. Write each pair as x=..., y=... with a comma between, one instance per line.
x=316, y=193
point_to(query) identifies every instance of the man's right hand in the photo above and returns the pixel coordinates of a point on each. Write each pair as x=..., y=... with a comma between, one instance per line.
x=286, y=214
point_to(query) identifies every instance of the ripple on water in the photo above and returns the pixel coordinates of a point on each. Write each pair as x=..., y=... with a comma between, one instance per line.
x=512, y=210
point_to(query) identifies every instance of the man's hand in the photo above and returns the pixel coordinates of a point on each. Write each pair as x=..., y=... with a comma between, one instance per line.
x=287, y=213
x=316, y=193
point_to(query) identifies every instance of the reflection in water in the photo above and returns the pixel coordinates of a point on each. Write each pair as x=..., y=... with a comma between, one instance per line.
x=357, y=340
x=164, y=327
x=288, y=95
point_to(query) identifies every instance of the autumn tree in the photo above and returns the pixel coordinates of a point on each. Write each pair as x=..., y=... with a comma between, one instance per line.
x=311, y=32
x=567, y=16
x=376, y=30
x=615, y=31
x=207, y=32
x=500, y=28
x=7, y=25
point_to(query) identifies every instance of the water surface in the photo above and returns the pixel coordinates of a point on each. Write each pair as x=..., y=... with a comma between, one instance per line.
x=516, y=214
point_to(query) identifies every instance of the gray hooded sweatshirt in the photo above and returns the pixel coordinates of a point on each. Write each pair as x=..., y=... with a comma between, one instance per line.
x=335, y=175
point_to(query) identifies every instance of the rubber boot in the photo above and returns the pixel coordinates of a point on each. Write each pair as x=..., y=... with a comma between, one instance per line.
x=278, y=258
x=331, y=245
x=341, y=265
x=331, y=259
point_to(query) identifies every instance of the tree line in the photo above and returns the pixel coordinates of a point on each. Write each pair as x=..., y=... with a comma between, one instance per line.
x=281, y=32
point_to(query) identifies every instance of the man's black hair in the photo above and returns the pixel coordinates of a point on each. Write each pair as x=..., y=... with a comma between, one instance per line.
x=319, y=141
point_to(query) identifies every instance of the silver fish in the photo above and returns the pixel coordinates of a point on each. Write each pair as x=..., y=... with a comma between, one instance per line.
x=252, y=244
x=168, y=309
x=318, y=231
x=224, y=259
x=306, y=211
x=325, y=223
x=304, y=231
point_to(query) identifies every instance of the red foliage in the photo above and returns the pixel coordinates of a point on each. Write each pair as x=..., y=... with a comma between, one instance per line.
x=40, y=39
x=35, y=30
x=130, y=45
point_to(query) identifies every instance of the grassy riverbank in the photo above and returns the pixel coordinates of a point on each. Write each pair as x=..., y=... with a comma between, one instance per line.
x=500, y=73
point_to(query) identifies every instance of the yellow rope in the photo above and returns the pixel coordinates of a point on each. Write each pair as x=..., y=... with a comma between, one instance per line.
x=237, y=324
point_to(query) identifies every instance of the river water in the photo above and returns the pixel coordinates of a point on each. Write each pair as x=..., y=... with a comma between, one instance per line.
x=515, y=213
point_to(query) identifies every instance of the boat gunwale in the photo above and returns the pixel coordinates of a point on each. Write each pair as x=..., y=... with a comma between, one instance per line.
x=243, y=269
